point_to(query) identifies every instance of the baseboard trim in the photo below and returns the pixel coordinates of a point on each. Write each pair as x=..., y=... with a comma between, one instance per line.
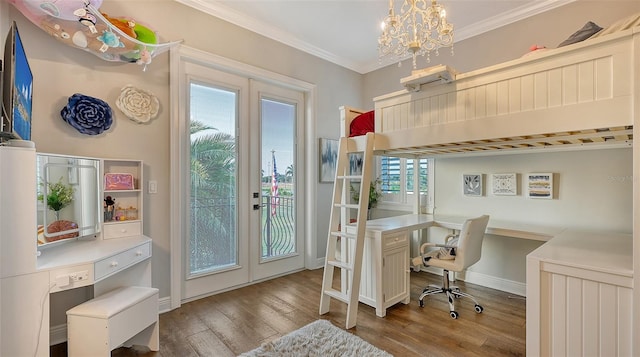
x=57, y=334
x=318, y=264
x=164, y=304
x=510, y=286
x=488, y=281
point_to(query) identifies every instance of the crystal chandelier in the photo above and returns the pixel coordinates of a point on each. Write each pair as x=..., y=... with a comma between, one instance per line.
x=419, y=29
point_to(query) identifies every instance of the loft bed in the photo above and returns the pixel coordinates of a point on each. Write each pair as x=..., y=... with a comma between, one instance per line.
x=580, y=96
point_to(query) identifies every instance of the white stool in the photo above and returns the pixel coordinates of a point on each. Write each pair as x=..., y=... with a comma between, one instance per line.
x=125, y=316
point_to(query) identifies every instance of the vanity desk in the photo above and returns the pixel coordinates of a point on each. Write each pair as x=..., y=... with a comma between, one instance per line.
x=36, y=264
x=102, y=263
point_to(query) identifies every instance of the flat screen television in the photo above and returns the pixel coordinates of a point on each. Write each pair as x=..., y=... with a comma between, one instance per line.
x=17, y=88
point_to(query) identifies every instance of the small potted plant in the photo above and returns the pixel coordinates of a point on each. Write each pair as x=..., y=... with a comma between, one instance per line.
x=374, y=195
x=59, y=196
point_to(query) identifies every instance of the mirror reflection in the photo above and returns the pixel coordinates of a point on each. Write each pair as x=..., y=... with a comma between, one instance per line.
x=68, y=198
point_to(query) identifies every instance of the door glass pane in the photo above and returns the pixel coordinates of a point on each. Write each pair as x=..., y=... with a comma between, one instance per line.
x=213, y=242
x=278, y=236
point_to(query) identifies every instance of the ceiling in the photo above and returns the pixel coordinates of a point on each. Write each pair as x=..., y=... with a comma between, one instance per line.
x=345, y=32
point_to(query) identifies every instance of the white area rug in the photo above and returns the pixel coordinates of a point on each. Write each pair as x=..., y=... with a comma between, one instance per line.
x=319, y=338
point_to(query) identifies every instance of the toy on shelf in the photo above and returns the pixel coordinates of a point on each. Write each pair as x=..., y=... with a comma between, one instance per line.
x=79, y=24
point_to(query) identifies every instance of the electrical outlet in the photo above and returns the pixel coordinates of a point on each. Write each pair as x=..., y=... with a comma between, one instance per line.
x=62, y=281
x=79, y=275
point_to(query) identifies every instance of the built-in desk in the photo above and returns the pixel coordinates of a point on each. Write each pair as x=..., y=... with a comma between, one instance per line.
x=579, y=283
x=502, y=227
x=386, y=261
x=580, y=295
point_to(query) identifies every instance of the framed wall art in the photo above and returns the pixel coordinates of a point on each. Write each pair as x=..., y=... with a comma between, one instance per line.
x=472, y=184
x=504, y=184
x=540, y=185
x=328, y=159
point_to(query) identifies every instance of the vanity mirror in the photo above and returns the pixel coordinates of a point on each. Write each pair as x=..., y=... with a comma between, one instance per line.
x=69, y=203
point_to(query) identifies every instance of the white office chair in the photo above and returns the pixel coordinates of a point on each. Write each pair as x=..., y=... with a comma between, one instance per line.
x=466, y=253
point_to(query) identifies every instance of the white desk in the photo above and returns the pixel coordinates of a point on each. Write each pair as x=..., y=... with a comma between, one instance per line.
x=108, y=263
x=580, y=295
x=386, y=260
x=100, y=258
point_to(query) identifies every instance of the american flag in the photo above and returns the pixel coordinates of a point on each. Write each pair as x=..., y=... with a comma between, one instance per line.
x=274, y=186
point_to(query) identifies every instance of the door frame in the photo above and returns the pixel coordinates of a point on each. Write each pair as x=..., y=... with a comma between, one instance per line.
x=178, y=56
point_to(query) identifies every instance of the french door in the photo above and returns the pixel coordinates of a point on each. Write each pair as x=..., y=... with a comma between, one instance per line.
x=278, y=112
x=242, y=209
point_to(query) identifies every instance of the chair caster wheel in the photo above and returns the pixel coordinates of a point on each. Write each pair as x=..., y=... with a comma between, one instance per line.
x=421, y=303
x=479, y=308
x=453, y=314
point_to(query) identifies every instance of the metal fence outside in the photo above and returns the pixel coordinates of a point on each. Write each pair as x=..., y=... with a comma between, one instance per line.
x=278, y=234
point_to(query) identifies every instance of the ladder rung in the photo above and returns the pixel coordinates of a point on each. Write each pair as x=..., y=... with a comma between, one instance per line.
x=339, y=264
x=347, y=205
x=344, y=234
x=337, y=295
x=351, y=177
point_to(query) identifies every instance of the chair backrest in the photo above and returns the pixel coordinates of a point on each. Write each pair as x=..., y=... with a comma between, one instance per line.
x=470, y=242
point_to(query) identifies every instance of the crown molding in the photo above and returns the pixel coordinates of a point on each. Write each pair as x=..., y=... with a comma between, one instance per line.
x=492, y=23
x=508, y=17
x=225, y=13
x=243, y=20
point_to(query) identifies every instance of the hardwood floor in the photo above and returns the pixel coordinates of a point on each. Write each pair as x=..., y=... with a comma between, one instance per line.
x=234, y=322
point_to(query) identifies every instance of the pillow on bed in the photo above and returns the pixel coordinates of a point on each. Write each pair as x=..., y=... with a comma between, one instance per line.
x=620, y=25
x=588, y=30
x=362, y=124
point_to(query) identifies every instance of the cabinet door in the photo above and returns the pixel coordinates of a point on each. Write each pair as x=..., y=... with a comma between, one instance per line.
x=395, y=273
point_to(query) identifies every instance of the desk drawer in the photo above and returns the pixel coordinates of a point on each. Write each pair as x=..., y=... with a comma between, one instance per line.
x=113, y=264
x=118, y=230
x=395, y=241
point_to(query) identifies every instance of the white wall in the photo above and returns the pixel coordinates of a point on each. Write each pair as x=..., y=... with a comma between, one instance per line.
x=4, y=21
x=593, y=191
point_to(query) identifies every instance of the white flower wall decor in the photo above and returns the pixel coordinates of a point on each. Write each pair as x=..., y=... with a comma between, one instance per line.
x=137, y=104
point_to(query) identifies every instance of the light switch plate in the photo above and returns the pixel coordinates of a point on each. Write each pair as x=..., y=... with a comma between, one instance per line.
x=153, y=186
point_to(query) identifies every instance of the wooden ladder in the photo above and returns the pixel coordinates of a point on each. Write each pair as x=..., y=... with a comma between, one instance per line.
x=352, y=242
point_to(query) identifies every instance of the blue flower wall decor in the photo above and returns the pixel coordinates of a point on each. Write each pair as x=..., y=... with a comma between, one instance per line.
x=88, y=115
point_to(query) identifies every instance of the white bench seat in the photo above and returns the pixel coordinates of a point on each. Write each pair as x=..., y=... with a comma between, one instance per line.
x=125, y=316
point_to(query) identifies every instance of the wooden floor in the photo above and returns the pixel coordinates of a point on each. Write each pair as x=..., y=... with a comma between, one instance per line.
x=234, y=322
